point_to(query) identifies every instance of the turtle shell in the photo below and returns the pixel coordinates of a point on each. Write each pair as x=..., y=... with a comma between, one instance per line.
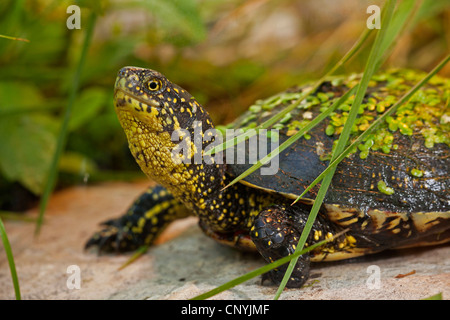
x=402, y=168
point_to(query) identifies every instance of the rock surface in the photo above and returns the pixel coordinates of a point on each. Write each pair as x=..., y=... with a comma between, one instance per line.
x=185, y=263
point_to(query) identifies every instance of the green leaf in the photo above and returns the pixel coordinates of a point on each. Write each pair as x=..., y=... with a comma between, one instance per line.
x=28, y=139
x=86, y=107
x=26, y=150
x=17, y=95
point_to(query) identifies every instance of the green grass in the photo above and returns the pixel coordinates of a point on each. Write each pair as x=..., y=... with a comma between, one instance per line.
x=14, y=38
x=53, y=172
x=437, y=296
x=10, y=258
x=262, y=270
x=274, y=119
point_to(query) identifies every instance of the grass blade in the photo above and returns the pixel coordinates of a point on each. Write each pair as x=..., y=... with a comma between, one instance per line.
x=14, y=38
x=231, y=142
x=293, y=138
x=10, y=257
x=52, y=175
x=16, y=216
x=399, y=20
x=403, y=15
x=263, y=269
x=437, y=296
x=139, y=252
x=355, y=48
x=374, y=57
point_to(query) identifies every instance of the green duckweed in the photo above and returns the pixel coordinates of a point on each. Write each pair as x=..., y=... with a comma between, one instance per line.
x=416, y=173
x=383, y=188
x=425, y=114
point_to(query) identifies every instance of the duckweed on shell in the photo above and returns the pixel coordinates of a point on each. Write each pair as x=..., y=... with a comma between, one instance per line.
x=423, y=114
x=416, y=173
x=383, y=188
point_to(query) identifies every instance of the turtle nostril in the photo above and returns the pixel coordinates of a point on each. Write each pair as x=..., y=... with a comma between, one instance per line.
x=128, y=71
x=123, y=72
x=133, y=77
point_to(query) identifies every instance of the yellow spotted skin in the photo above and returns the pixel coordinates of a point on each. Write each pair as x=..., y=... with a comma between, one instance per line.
x=255, y=215
x=149, y=117
x=150, y=109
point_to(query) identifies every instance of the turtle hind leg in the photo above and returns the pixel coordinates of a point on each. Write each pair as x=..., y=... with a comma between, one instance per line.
x=275, y=233
x=146, y=218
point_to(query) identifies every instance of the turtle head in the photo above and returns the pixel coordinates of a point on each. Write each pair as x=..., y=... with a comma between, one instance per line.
x=154, y=102
x=150, y=109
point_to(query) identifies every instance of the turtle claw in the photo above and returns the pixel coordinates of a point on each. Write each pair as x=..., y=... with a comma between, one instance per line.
x=275, y=237
x=112, y=239
x=298, y=277
x=110, y=222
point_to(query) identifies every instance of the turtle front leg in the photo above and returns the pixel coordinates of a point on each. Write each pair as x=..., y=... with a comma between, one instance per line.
x=141, y=224
x=275, y=233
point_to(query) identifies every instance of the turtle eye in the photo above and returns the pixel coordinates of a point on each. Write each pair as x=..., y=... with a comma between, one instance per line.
x=154, y=85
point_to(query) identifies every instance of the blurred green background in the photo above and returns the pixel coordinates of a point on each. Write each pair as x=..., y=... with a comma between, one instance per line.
x=227, y=53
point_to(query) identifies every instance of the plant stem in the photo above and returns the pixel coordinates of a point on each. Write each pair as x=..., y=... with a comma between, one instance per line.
x=52, y=175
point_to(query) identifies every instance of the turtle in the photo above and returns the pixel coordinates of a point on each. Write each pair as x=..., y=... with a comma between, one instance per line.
x=391, y=191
